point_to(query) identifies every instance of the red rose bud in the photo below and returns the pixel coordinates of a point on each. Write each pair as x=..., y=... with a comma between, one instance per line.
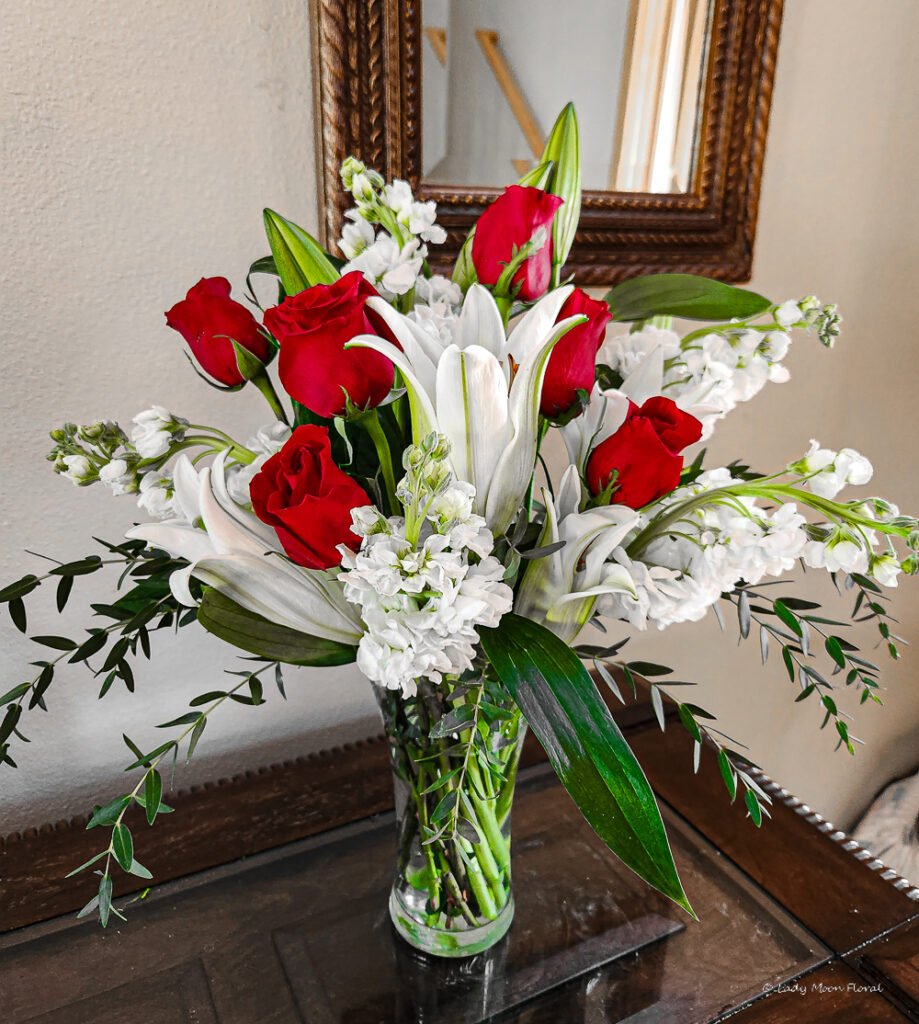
x=207, y=318
x=506, y=226
x=642, y=459
x=307, y=499
x=312, y=329
x=572, y=364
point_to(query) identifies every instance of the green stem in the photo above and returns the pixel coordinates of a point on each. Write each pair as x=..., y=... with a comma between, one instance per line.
x=371, y=423
x=263, y=382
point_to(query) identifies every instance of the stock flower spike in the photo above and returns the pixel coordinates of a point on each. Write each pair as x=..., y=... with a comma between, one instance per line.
x=398, y=512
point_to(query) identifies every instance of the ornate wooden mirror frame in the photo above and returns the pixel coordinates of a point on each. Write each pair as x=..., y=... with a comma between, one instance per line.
x=367, y=84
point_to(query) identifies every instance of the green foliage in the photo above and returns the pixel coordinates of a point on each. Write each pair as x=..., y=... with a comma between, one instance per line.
x=146, y=606
x=790, y=622
x=684, y=295
x=585, y=747
x=299, y=259
x=226, y=619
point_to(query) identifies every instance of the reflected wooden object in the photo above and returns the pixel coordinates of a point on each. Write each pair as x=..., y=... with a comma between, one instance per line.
x=437, y=37
x=490, y=43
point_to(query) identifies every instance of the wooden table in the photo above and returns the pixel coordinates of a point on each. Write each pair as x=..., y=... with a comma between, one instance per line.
x=797, y=922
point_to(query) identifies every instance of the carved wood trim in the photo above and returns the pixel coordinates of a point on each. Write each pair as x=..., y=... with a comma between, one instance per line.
x=368, y=96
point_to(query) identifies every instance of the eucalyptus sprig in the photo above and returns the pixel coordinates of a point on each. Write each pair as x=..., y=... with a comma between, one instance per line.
x=148, y=791
x=147, y=606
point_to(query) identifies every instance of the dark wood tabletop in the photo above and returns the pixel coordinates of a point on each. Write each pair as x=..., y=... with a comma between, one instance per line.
x=276, y=912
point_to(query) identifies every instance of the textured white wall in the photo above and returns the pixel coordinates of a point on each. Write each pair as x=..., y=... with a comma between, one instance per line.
x=139, y=144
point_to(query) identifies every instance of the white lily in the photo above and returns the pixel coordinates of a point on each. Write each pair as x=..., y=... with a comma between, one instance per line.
x=560, y=589
x=231, y=550
x=481, y=390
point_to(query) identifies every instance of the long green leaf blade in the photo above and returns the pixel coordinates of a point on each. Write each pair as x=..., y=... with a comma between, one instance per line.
x=684, y=295
x=585, y=747
x=250, y=632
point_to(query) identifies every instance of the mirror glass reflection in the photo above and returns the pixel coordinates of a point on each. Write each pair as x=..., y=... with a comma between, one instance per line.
x=497, y=72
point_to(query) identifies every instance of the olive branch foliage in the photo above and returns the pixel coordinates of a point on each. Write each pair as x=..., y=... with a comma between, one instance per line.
x=145, y=606
x=803, y=636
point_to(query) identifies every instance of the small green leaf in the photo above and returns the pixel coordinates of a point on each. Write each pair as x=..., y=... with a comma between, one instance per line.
x=753, y=807
x=648, y=668
x=105, y=899
x=195, y=736
x=684, y=295
x=123, y=845
x=89, y=647
x=153, y=791
x=108, y=813
x=138, y=869
x=18, y=613
x=10, y=721
x=835, y=651
x=19, y=589
x=15, y=693
x=58, y=643
x=727, y=773
x=788, y=617
x=89, y=863
x=444, y=806
x=65, y=585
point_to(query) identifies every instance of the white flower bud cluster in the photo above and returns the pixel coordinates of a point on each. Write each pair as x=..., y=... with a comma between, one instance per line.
x=392, y=258
x=715, y=546
x=155, y=431
x=848, y=549
x=426, y=582
x=827, y=472
x=708, y=376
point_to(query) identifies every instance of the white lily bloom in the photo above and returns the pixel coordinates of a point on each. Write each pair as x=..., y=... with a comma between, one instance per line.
x=230, y=549
x=481, y=390
x=560, y=589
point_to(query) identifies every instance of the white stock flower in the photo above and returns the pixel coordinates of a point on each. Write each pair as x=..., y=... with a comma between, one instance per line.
x=120, y=476
x=481, y=390
x=79, y=468
x=390, y=269
x=356, y=235
x=682, y=573
x=828, y=471
x=706, y=376
x=885, y=569
x=839, y=554
x=154, y=431
x=156, y=495
x=421, y=604
x=789, y=313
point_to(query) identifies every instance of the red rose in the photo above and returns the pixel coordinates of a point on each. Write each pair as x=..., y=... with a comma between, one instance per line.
x=572, y=364
x=207, y=318
x=312, y=329
x=307, y=499
x=643, y=453
x=509, y=223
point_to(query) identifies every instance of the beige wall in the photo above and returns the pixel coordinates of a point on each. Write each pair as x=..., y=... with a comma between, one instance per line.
x=139, y=143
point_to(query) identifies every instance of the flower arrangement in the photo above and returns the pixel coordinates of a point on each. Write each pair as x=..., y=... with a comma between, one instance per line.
x=399, y=511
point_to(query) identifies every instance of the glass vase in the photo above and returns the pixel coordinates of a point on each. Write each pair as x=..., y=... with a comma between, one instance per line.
x=455, y=748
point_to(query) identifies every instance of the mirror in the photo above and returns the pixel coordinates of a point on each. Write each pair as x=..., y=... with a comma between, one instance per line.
x=455, y=96
x=494, y=73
